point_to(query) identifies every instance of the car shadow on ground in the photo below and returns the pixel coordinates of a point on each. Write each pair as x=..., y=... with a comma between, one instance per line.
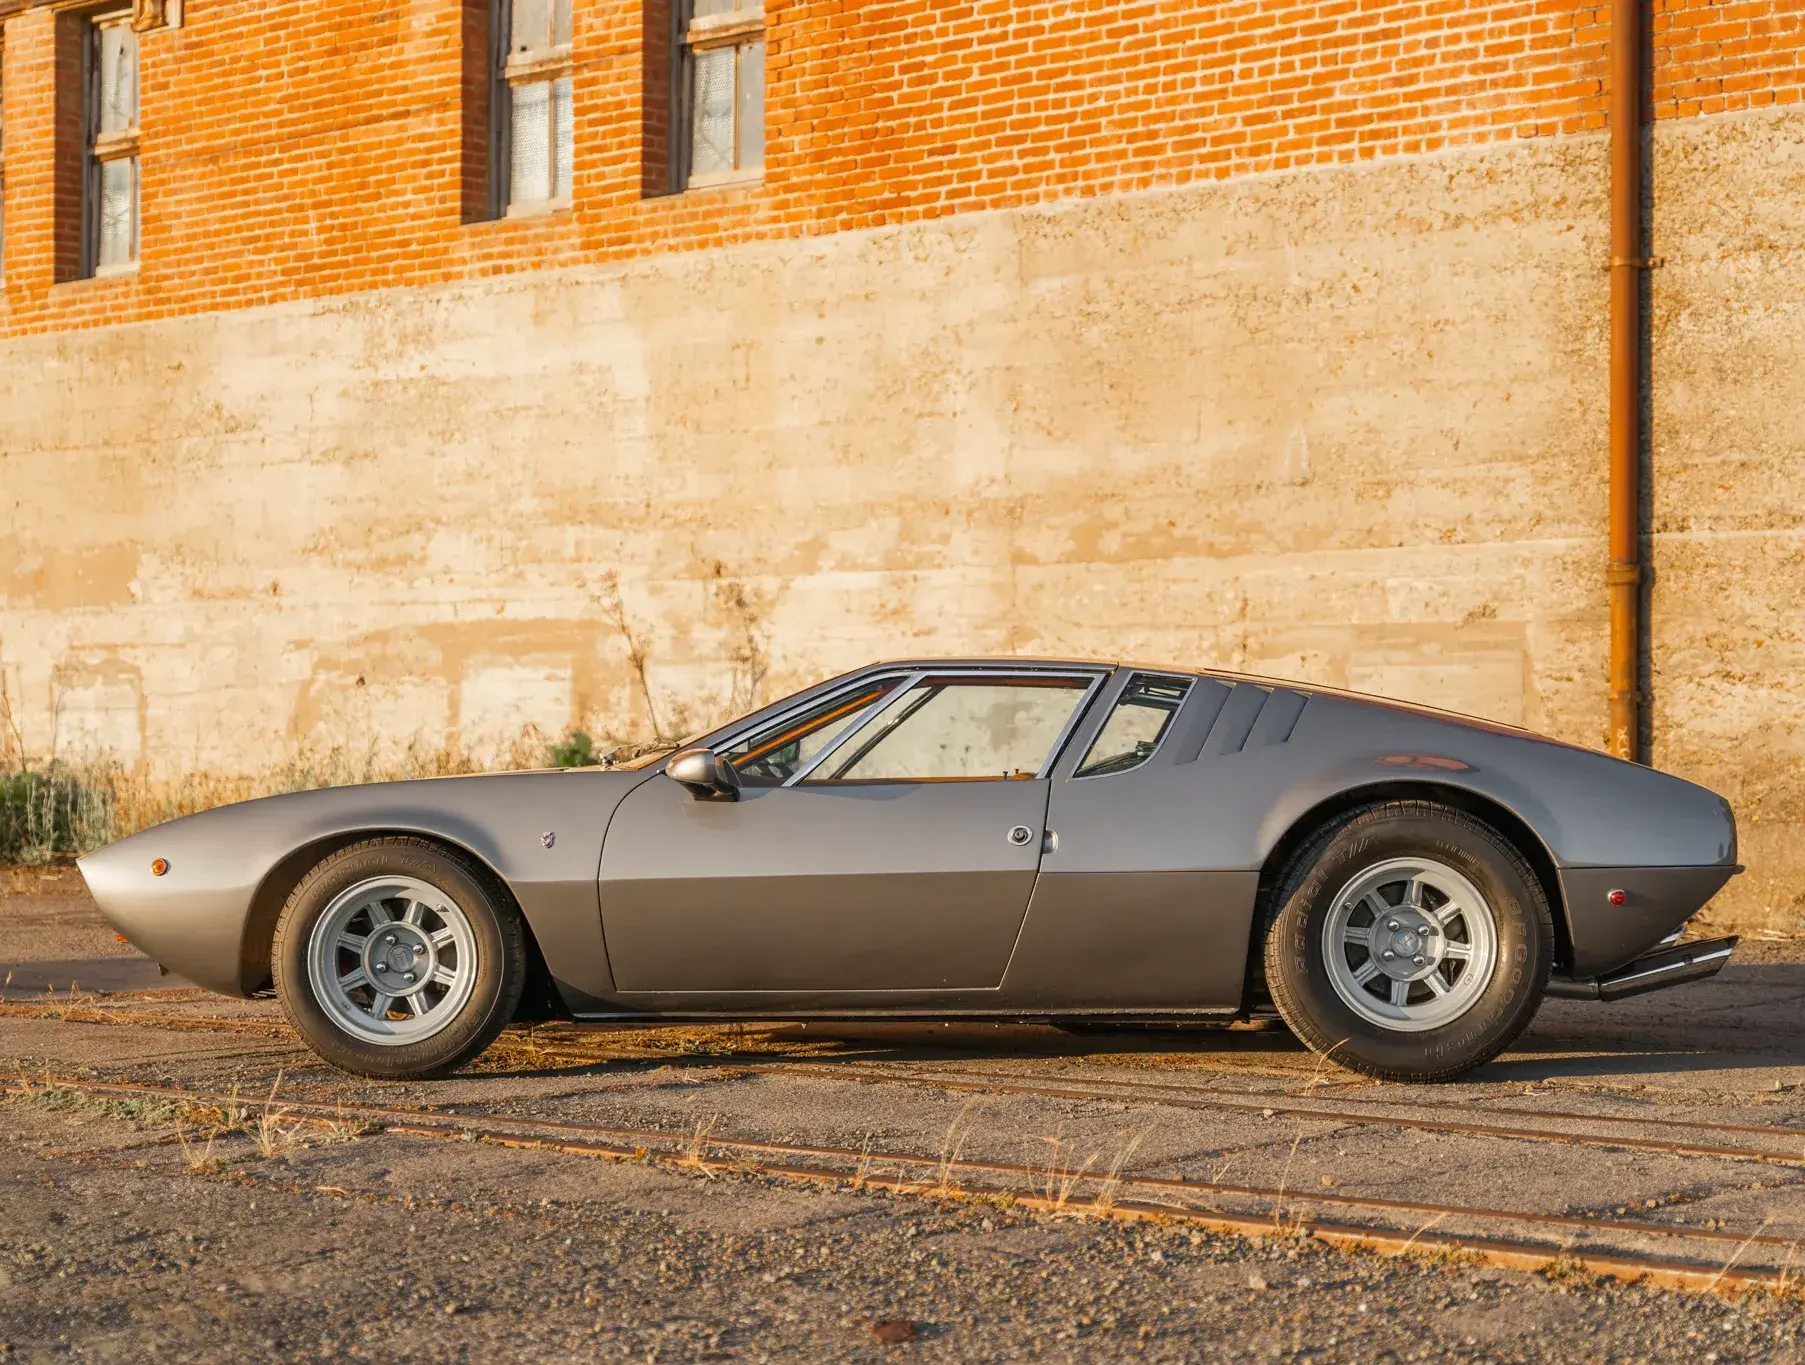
x=1518, y=1069
x=1631, y=1039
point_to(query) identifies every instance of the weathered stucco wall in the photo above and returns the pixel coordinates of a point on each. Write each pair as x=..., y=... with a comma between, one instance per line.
x=1337, y=425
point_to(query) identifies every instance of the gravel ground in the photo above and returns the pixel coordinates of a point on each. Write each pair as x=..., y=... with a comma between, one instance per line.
x=382, y=1248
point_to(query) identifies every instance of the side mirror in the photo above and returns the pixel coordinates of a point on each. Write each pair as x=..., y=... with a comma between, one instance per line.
x=708, y=776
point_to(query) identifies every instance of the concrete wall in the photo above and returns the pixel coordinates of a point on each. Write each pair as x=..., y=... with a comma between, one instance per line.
x=1729, y=486
x=1340, y=425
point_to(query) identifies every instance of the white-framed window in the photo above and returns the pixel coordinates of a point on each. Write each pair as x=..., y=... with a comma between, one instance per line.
x=112, y=195
x=111, y=198
x=535, y=127
x=723, y=88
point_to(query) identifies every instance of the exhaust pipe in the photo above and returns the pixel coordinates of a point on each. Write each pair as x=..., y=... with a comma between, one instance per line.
x=1655, y=972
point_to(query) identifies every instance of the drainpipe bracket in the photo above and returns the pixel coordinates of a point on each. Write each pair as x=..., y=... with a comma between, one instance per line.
x=1637, y=262
x=1622, y=575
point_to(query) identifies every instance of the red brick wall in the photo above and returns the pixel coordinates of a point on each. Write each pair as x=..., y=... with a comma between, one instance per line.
x=1720, y=56
x=295, y=149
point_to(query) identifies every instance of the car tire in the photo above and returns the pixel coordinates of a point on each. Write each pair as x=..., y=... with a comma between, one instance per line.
x=399, y=959
x=1377, y=903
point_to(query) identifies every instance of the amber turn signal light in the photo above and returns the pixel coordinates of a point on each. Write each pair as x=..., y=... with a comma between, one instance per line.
x=159, y=866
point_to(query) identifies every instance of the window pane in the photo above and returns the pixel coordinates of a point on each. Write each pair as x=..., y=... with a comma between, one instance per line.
x=1135, y=726
x=531, y=26
x=773, y=756
x=752, y=105
x=118, y=78
x=530, y=181
x=711, y=145
x=942, y=729
x=563, y=138
x=118, y=210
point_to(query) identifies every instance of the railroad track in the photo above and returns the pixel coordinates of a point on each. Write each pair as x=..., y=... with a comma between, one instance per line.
x=1115, y=1194
x=1347, y=1112
x=1677, y=1137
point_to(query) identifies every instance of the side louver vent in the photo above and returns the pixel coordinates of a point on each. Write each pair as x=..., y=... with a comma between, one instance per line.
x=1228, y=718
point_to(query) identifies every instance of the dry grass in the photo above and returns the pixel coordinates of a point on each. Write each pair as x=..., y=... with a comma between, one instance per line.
x=1736, y=1255
x=1570, y=1272
x=1106, y=1193
x=952, y=1146
x=1061, y=1176
x=274, y=1130
x=195, y=1156
x=698, y=1143
x=863, y=1171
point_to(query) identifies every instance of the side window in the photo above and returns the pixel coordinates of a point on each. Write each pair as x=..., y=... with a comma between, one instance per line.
x=777, y=753
x=1136, y=725
x=959, y=729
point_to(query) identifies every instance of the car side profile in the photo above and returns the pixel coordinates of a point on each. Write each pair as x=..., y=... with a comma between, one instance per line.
x=1022, y=839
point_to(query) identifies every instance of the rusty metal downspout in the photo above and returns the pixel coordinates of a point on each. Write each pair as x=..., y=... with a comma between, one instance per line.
x=1623, y=573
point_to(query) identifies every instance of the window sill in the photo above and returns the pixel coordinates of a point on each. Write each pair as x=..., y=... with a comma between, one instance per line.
x=542, y=209
x=100, y=279
x=731, y=180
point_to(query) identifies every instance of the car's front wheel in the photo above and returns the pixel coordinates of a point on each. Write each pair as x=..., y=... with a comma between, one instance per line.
x=1410, y=942
x=394, y=958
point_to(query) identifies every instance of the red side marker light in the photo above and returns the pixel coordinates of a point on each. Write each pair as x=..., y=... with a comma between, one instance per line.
x=1616, y=898
x=159, y=866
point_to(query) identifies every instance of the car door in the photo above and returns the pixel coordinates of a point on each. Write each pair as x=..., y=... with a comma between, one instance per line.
x=1132, y=909
x=885, y=840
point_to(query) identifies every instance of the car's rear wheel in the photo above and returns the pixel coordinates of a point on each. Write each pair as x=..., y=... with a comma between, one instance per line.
x=396, y=958
x=1409, y=941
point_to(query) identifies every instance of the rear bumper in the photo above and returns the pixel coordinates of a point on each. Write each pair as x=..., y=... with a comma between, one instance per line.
x=1606, y=936
x=1657, y=971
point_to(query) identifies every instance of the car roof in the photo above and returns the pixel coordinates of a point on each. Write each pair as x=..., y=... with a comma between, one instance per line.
x=988, y=661
x=1222, y=674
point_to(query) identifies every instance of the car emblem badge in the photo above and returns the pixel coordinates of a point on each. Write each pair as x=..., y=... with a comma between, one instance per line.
x=548, y=838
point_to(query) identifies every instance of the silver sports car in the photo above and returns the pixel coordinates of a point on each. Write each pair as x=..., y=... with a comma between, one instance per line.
x=1039, y=840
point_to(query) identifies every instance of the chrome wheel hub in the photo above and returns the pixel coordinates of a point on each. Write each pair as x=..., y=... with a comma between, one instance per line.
x=400, y=957
x=392, y=960
x=1410, y=944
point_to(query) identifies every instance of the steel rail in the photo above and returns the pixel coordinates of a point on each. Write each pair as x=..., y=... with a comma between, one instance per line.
x=582, y=1139
x=1553, y=1115
x=1278, y=1107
